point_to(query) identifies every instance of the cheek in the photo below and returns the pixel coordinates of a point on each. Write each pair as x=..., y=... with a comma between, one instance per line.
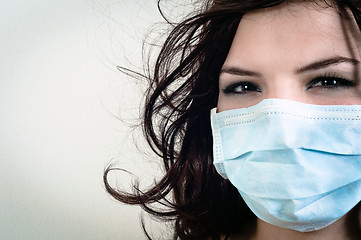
x=228, y=102
x=348, y=96
x=221, y=104
x=349, y=100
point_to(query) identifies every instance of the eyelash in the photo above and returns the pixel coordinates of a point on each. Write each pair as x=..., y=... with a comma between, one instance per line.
x=339, y=82
x=231, y=89
x=322, y=81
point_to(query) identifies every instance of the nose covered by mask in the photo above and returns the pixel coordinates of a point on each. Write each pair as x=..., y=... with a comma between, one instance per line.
x=296, y=165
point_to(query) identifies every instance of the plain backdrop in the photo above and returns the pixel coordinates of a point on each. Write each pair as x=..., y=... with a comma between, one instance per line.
x=60, y=99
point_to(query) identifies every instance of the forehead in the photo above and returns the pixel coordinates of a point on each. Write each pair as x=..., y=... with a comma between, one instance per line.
x=299, y=15
x=303, y=29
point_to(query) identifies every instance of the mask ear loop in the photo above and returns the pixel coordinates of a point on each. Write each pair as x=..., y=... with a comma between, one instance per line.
x=218, y=158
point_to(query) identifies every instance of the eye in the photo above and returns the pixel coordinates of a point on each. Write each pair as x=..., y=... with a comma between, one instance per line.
x=242, y=88
x=332, y=82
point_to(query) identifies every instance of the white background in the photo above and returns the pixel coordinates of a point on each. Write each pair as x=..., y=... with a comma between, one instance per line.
x=60, y=96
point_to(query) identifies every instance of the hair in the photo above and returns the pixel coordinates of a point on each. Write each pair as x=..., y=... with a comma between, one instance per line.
x=183, y=87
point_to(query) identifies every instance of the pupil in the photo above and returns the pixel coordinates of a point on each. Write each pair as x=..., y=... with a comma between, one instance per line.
x=329, y=82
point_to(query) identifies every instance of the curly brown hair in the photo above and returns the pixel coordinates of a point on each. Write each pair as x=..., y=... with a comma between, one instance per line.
x=183, y=87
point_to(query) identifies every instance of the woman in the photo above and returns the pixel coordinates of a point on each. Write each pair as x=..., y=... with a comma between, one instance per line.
x=248, y=59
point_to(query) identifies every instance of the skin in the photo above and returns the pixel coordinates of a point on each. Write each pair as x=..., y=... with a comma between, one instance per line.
x=276, y=43
x=298, y=51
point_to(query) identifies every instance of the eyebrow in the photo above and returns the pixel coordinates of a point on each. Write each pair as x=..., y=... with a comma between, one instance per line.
x=326, y=63
x=239, y=71
x=310, y=67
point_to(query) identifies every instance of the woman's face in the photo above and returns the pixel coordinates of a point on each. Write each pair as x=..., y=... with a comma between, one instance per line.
x=299, y=51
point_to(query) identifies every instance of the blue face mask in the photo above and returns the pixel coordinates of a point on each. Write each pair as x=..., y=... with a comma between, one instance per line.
x=296, y=165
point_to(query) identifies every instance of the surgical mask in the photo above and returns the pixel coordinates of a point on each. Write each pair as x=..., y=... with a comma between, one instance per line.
x=296, y=165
